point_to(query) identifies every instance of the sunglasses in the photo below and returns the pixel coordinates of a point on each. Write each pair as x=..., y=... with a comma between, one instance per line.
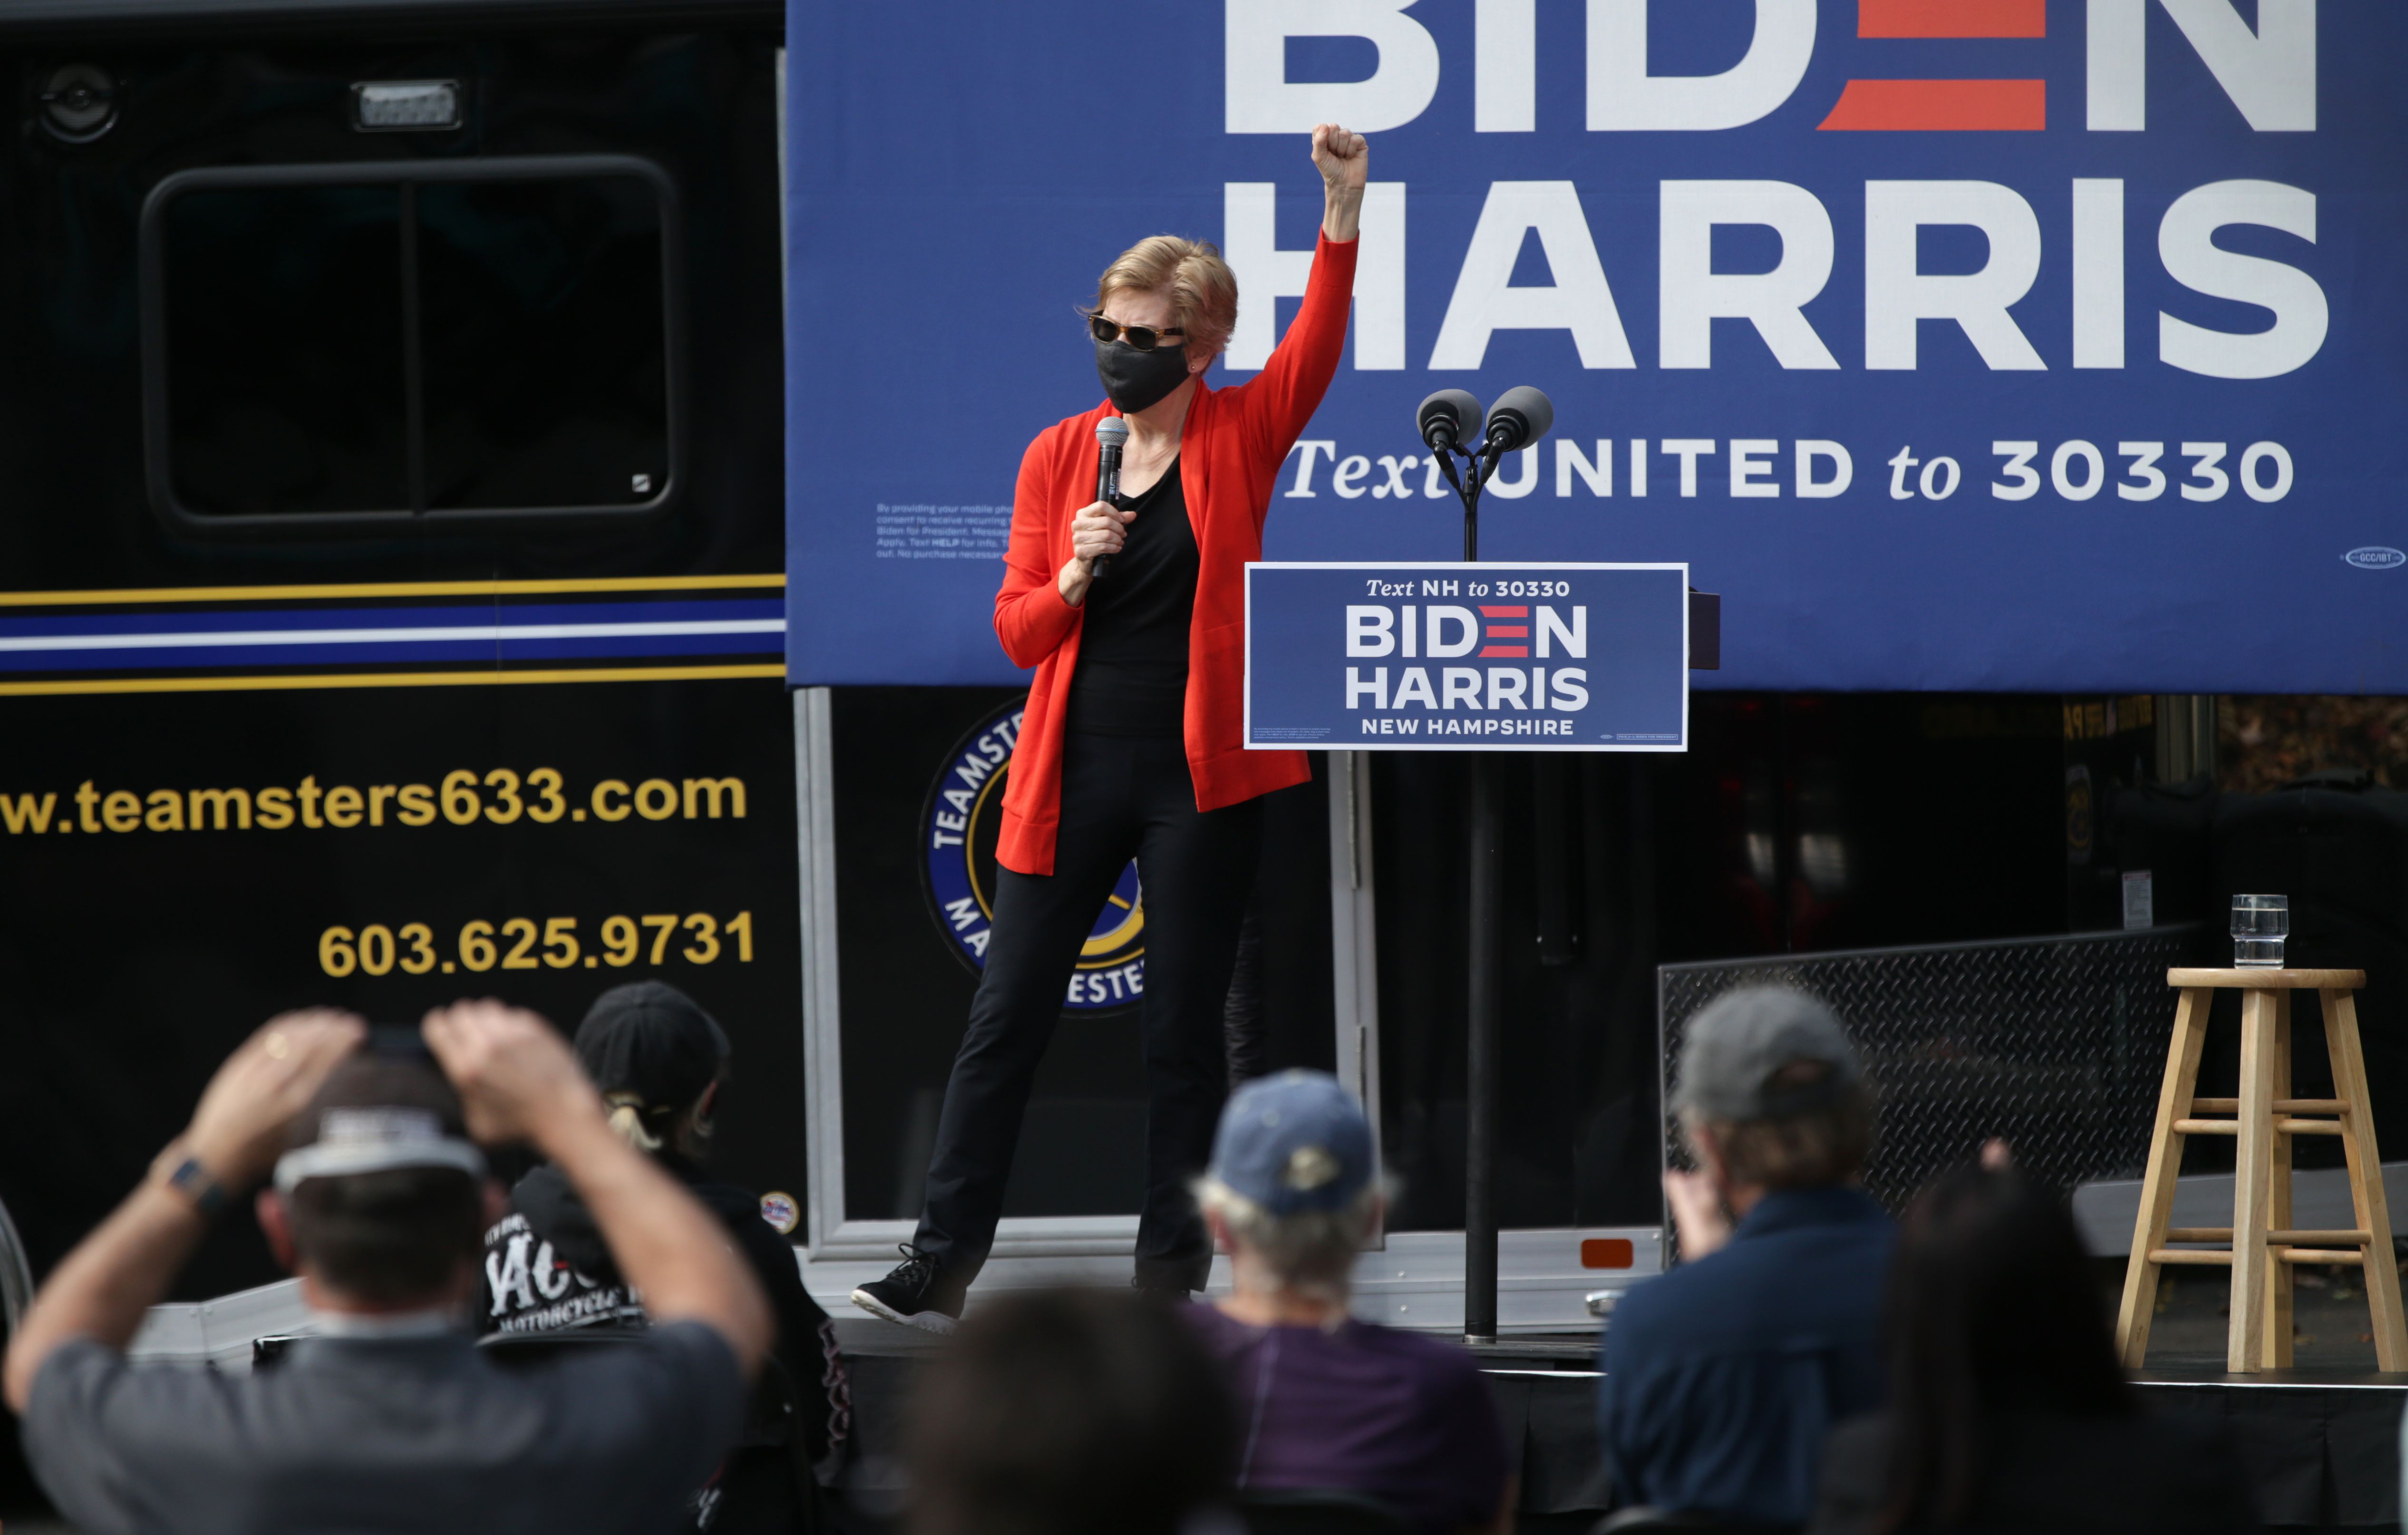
x=1143, y=337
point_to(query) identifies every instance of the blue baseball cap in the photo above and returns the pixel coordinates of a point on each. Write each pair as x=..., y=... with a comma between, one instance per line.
x=1294, y=1143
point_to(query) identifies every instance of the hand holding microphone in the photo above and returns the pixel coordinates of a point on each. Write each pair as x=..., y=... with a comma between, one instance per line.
x=1100, y=529
x=1097, y=531
x=1112, y=435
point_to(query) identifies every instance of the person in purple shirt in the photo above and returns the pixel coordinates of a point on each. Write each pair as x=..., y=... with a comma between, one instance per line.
x=1325, y=1403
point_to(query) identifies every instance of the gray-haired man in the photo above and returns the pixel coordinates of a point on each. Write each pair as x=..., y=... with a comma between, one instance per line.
x=1722, y=1377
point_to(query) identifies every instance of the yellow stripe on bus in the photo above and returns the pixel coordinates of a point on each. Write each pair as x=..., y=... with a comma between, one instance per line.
x=391, y=589
x=386, y=679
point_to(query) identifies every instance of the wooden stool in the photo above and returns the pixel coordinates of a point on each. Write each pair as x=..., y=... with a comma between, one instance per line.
x=2260, y=1247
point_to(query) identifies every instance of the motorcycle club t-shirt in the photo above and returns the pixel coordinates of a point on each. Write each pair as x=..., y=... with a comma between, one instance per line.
x=548, y=1269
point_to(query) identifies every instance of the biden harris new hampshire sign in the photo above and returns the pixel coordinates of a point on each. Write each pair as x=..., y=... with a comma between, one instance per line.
x=2045, y=345
x=1459, y=657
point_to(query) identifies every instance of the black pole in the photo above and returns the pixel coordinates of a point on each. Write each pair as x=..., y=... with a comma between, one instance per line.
x=1480, y=1080
x=1483, y=1004
x=1470, y=488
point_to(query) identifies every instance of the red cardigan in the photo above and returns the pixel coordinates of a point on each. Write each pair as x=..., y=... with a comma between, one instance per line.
x=1230, y=452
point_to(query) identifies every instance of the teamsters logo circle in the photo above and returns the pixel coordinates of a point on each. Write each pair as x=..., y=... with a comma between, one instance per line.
x=957, y=830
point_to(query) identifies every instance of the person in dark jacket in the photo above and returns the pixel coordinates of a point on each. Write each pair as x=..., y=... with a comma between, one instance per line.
x=2008, y=1410
x=658, y=1058
x=1724, y=1377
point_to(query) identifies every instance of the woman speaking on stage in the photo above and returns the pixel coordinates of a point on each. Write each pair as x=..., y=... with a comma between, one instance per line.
x=1133, y=614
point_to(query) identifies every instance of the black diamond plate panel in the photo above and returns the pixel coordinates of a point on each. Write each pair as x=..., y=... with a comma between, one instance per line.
x=2058, y=1044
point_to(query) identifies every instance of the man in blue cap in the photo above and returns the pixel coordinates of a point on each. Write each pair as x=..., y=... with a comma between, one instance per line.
x=1326, y=1402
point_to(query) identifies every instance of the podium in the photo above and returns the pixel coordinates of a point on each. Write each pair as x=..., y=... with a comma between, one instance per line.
x=1488, y=657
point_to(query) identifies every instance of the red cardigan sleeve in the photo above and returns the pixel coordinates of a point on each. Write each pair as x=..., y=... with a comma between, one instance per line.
x=1030, y=617
x=1281, y=399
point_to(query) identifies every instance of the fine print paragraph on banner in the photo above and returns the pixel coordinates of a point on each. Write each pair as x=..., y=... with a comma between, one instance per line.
x=942, y=533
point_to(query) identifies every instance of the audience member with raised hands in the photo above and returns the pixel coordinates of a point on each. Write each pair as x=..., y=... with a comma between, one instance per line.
x=387, y=1418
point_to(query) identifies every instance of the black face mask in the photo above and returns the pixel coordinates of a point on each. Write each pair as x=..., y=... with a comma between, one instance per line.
x=1134, y=379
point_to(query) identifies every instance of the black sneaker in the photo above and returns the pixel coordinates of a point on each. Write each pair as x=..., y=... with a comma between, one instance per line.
x=1168, y=1295
x=911, y=1295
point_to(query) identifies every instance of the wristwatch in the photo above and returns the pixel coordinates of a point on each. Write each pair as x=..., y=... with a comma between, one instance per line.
x=200, y=1186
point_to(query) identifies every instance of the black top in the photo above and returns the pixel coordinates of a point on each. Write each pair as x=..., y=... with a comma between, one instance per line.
x=2063, y=1475
x=1132, y=674
x=548, y=1269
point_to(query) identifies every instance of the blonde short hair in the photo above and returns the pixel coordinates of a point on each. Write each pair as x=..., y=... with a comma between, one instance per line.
x=1202, y=289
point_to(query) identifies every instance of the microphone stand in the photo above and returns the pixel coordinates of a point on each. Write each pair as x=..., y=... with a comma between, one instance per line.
x=1482, y=465
x=1484, y=1001
x=1484, y=1013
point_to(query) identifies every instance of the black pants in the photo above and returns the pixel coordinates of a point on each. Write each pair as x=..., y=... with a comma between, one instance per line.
x=1120, y=798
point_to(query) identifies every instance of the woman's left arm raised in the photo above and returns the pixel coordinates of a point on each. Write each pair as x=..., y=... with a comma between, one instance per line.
x=1289, y=388
x=1345, y=161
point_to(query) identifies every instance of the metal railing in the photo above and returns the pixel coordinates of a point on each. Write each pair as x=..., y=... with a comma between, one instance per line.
x=2058, y=1044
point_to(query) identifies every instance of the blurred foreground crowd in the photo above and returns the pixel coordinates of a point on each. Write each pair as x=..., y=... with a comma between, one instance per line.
x=617, y=1343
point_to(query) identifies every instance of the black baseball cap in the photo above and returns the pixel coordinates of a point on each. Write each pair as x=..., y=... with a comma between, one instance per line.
x=652, y=1040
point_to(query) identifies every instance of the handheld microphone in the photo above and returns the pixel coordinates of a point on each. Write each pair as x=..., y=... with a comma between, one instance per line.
x=1520, y=417
x=1111, y=433
x=1449, y=419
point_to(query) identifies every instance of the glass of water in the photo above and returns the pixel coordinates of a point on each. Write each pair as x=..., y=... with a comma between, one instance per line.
x=2260, y=924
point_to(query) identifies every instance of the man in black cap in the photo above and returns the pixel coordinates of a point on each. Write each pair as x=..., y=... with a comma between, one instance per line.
x=390, y=1419
x=657, y=1059
x=1722, y=1378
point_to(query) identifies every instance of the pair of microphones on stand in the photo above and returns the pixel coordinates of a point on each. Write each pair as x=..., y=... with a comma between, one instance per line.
x=1450, y=424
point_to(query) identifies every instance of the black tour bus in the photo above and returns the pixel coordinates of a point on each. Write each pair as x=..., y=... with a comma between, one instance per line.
x=392, y=561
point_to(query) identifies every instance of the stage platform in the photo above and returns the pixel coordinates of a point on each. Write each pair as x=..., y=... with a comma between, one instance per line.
x=2323, y=1441
x=2324, y=1444
x=2324, y=1447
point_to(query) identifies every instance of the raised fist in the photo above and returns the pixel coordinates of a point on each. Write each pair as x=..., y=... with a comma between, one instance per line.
x=1343, y=159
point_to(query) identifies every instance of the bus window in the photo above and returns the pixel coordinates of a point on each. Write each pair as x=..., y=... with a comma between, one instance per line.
x=284, y=350
x=546, y=361
x=462, y=340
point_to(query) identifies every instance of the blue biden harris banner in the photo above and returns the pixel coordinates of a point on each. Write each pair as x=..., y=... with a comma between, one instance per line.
x=1968, y=344
x=1468, y=658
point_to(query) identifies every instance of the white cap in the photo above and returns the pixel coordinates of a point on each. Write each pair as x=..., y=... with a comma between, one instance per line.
x=355, y=1141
